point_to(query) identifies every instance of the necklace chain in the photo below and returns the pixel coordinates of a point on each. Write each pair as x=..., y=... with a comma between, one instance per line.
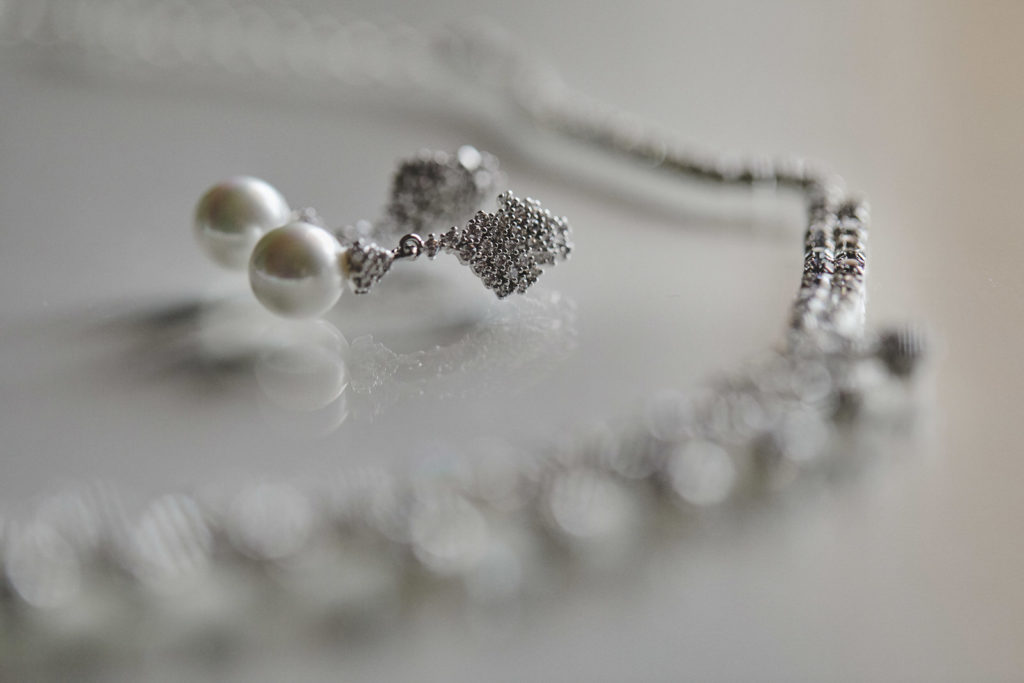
x=790, y=413
x=277, y=40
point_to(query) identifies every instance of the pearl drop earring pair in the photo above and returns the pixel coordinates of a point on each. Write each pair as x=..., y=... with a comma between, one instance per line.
x=298, y=268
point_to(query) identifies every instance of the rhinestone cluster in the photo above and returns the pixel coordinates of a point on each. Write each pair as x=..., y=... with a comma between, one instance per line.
x=364, y=263
x=506, y=249
x=435, y=188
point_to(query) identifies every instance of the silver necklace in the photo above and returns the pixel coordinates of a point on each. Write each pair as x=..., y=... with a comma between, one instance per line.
x=355, y=548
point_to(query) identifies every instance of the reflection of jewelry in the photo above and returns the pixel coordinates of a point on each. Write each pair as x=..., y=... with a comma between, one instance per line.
x=342, y=549
x=297, y=267
x=304, y=367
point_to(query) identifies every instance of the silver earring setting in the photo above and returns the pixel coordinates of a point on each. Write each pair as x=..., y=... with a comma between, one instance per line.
x=298, y=268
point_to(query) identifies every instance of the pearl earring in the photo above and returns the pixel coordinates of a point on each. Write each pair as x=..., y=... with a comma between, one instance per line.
x=298, y=268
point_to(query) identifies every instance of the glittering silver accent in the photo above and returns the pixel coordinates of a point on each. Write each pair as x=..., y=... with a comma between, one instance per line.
x=365, y=264
x=506, y=249
x=437, y=188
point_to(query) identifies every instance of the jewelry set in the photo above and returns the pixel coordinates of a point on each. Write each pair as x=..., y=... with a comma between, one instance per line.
x=298, y=268
x=795, y=414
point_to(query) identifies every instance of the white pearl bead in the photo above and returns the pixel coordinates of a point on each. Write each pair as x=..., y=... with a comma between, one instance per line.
x=294, y=270
x=233, y=215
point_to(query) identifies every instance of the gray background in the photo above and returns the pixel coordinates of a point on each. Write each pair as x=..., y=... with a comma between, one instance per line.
x=911, y=574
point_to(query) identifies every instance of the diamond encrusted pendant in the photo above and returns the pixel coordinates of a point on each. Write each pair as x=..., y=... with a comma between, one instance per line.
x=506, y=249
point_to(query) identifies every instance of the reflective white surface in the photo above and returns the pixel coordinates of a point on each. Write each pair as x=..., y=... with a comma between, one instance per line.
x=119, y=343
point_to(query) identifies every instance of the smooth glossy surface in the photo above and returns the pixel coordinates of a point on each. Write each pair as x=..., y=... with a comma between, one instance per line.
x=232, y=216
x=295, y=271
x=301, y=365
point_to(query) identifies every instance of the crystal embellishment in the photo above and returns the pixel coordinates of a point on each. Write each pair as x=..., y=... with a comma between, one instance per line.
x=507, y=249
x=436, y=188
x=364, y=263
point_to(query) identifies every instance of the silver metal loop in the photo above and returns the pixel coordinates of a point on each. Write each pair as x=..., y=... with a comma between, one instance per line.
x=409, y=247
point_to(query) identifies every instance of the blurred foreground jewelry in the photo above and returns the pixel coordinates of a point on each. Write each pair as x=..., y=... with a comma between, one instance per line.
x=297, y=268
x=348, y=550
